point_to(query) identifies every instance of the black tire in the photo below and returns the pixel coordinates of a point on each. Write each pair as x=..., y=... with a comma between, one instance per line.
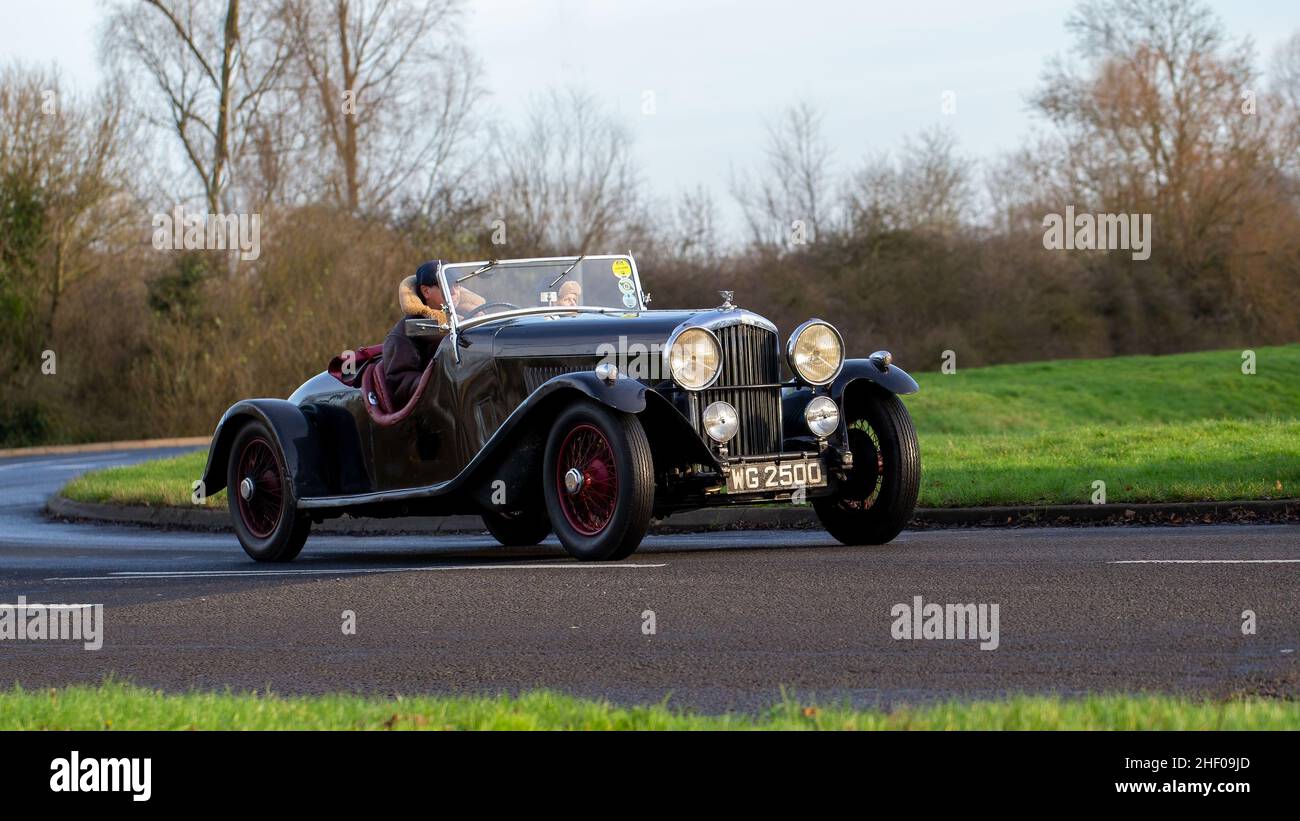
x=520, y=529
x=621, y=516
x=877, y=501
x=270, y=530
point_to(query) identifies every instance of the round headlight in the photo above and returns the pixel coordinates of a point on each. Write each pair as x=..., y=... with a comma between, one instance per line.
x=721, y=422
x=816, y=352
x=822, y=416
x=695, y=358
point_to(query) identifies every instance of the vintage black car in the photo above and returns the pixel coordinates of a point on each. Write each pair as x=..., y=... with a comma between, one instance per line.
x=561, y=403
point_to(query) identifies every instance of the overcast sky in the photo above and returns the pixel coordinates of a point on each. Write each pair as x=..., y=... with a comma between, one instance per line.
x=718, y=70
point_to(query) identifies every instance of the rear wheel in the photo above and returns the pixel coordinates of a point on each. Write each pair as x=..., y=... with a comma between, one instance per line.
x=599, y=482
x=262, y=507
x=877, y=499
x=519, y=529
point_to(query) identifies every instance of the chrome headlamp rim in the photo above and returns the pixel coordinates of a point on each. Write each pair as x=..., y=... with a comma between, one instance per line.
x=794, y=339
x=668, y=356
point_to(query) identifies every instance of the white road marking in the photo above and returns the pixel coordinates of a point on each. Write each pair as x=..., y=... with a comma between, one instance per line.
x=36, y=464
x=1206, y=561
x=61, y=462
x=212, y=574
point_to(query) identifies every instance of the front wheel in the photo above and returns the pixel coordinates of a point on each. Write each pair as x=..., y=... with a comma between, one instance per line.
x=262, y=506
x=598, y=477
x=877, y=499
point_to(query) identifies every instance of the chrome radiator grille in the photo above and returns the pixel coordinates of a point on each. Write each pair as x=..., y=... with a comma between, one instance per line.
x=751, y=371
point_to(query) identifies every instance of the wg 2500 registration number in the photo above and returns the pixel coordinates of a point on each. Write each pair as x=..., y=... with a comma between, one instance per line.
x=786, y=475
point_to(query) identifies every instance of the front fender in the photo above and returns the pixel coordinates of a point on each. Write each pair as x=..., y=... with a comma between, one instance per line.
x=516, y=447
x=671, y=434
x=293, y=432
x=895, y=379
x=627, y=395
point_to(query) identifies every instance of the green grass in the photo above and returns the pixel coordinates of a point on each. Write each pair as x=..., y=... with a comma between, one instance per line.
x=1127, y=390
x=1190, y=427
x=116, y=706
x=157, y=482
x=1196, y=461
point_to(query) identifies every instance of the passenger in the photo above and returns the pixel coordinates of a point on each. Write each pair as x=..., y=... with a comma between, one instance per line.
x=570, y=295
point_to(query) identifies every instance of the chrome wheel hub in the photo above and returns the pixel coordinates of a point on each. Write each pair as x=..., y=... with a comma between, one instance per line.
x=246, y=489
x=572, y=481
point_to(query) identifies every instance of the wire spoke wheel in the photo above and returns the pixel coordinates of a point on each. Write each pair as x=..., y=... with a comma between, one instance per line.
x=598, y=481
x=261, y=489
x=874, y=499
x=263, y=507
x=862, y=490
x=588, y=473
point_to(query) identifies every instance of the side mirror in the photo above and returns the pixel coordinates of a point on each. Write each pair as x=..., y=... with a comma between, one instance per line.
x=425, y=328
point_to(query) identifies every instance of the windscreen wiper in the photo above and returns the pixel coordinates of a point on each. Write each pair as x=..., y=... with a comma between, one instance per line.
x=478, y=271
x=566, y=271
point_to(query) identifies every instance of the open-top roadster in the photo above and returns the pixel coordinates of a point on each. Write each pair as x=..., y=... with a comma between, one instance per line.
x=584, y=419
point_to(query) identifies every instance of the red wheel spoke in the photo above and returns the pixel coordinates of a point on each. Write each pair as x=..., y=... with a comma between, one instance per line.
x=259, y=464
x=590, y=509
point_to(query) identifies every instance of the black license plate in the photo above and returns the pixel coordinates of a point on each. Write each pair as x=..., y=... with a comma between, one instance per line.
x=783, y=474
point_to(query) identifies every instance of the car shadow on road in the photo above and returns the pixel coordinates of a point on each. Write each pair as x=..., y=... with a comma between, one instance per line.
x=373, y=551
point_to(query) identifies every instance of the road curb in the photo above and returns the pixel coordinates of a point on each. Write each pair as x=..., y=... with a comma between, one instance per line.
x=782, y=517
x=105, y=447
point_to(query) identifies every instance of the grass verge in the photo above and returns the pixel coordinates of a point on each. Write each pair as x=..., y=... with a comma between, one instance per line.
x=1190, y=427
x=116, y=706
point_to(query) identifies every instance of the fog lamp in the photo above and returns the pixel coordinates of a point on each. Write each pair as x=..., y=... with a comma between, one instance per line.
x=721, y=422
x=822, y=416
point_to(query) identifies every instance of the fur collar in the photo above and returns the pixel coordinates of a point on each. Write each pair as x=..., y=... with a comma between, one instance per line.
x=413, y=307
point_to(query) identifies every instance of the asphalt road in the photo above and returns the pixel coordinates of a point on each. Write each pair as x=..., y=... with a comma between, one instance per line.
x=737, y=615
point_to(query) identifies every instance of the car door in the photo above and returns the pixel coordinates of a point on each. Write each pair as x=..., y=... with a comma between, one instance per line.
x=421, y=450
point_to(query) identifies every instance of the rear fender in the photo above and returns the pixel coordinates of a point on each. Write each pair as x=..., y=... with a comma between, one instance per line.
x=294, y=434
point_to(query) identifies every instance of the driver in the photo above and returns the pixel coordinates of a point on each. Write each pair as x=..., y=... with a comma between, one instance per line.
x=420, y=297
x=411, y=295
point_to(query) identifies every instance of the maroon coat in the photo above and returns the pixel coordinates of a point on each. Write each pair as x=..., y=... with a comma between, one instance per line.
x=404, y=363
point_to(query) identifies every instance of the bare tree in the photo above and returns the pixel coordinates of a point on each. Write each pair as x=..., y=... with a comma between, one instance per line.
x=695, y=227
x=929, y=186
x=793, y=185
x=1018, y=187
x=1166, y=118
x=211, y=63
x=387, y=88
x=1161, y=121
x=566, y=181
x=1284, y=77
x=63, y=171
x=1284, y=70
